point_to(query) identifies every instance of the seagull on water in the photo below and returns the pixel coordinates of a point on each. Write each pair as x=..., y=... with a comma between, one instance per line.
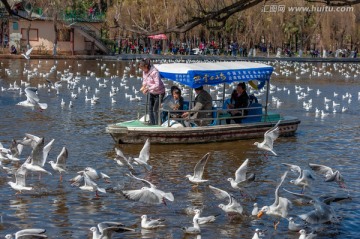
x=269, y=137
x=258, y=233
x=28, y=233
x=303, y=235
x=104, y=230
x=199, y=170
x=150, y=195
x=202, y=220
x=32, y=100
x=27, y=54
x=195, y=229
x=151, y=223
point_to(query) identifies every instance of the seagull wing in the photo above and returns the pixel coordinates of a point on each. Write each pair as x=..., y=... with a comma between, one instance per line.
x=27, y=233
x=143, y=195
x=240, y=174
x=46, y=151
x=62, y=157
x=276, y=203
x=219, y=193
x=271, y=135
x=37, y=153
x=293, y=167
x=107, y=228
x=322, y=169
x=141, y=179
x=28, y=52
x=119, y=153
x=145, y=152
x=199, y=167
x=31, y=94
x=20, y=176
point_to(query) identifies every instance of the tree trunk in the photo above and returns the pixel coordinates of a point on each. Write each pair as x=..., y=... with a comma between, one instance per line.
x=56, y=30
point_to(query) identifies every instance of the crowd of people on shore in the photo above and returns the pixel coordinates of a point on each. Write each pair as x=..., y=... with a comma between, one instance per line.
x=232, y=48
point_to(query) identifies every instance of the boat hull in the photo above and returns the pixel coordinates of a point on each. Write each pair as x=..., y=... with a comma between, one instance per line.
x=189, y=135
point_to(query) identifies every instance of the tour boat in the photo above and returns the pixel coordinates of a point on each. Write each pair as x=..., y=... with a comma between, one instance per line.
x=253, y=125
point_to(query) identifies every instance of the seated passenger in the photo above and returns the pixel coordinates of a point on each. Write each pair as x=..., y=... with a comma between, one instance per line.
x=174, y=101
x=203, y=101
x=241, y=101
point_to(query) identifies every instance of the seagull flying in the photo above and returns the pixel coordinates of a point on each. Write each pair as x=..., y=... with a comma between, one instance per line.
x=269, y=137
x=199, y=170
x=150, y=195
x=32, y=100
x=27, y=54
x=241, y=180
x=233, y=207
x=329, y=173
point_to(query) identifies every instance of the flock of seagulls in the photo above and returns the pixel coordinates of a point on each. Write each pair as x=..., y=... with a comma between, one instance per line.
x=231, y=204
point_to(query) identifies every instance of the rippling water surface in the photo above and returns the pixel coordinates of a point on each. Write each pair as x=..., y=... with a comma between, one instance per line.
x=68, y=212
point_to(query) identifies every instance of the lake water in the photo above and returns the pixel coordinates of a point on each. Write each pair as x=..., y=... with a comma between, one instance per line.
x=68, y=212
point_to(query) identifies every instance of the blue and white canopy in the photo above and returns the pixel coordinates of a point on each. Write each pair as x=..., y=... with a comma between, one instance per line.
x=198, y=74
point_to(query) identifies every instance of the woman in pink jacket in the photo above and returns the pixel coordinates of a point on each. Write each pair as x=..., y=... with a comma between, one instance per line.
x=153, y=85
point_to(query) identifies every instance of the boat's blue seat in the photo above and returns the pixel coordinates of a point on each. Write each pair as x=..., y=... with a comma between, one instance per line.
x=257, y=111
x=186, y=105
x=214, y=115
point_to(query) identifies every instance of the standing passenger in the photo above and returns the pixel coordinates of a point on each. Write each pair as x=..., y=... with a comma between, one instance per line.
x=153, y=85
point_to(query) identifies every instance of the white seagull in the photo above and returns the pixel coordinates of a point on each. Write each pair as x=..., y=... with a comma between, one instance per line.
x=151, y=223
x=241, y=180
x=199, y=170
x=150, y=195
x=195, y=229
x=202, y=220
x=144, y=156
x=60, y=164
x=20, y=184
x=269, y=137
x=32, y=99
x=27, y=54
x=28, y=233
x=303, y=235
x=104, y=230
x=280, y=207
x=233, y=207
x=304, y=177
x=322, y=213
x=329, y=173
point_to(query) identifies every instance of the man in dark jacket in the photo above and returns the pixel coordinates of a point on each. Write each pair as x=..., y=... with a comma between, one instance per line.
x=203, y=101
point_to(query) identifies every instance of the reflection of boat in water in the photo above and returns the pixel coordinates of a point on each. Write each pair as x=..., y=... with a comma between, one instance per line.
x=254, y=124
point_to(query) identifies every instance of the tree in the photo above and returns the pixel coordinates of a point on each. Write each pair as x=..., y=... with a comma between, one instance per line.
x=143, y=17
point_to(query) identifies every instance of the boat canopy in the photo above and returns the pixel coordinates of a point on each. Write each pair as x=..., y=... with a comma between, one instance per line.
x=198, y=74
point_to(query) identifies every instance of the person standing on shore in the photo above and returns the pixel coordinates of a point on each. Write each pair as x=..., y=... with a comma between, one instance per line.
x=153, y=85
